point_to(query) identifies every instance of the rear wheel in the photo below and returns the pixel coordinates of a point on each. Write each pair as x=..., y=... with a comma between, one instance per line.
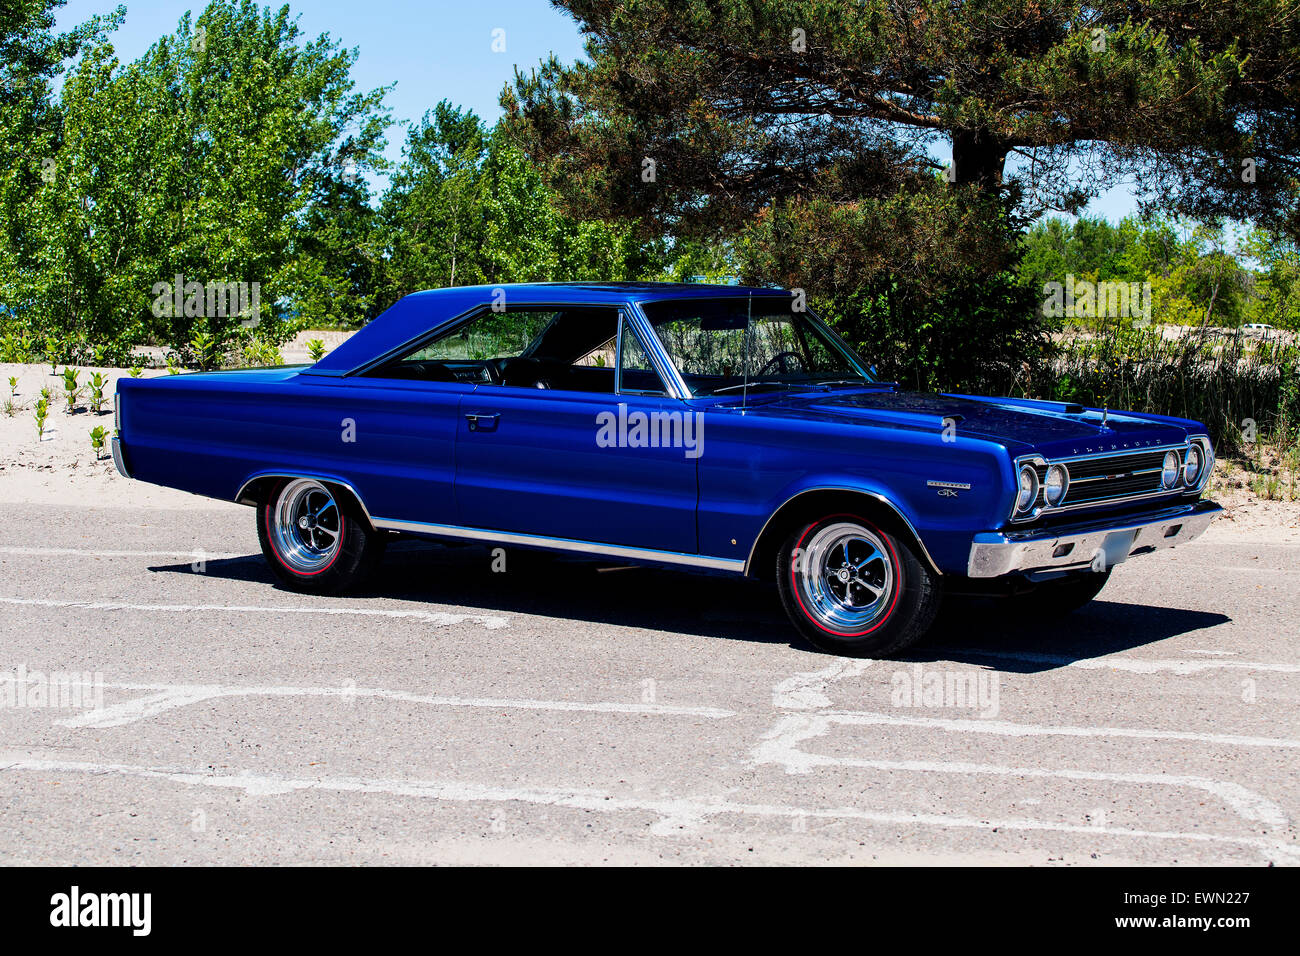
x=314, y=539
x=852, y=588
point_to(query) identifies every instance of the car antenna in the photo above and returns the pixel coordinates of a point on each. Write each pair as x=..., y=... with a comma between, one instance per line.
x=749, y=314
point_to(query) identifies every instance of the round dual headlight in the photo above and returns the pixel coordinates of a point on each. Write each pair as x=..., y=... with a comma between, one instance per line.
x=1028, y=493
x=1169, y=471
x=1054, y=484
x=1193, y=466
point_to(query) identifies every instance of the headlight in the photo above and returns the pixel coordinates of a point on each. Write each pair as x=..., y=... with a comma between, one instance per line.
x=1169, y=471
x=1028, y=490
x=1192, y=466
x=1055, y=483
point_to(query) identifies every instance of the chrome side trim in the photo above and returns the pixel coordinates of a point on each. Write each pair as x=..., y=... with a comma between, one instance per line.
x=749, y=561
x=119, y=462
x=997, y=553
x=595, y=548
x=658, y=355
x=240, y=499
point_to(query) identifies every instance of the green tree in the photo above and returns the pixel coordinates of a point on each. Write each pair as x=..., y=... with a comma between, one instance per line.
x=32, y=55
x=466, y=207
x=221, y=156
x=813, y=129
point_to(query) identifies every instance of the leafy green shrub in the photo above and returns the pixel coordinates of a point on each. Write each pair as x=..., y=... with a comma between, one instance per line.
x=42, y=412
x=259, y=352
x=97, y=383
x=316, y=349
x=71, y=389
x=16, y=347
x=97, y=438
x=205, y=349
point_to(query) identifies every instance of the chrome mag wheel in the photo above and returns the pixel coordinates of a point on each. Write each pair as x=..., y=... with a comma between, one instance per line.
x=845, y=577
x=306, y=526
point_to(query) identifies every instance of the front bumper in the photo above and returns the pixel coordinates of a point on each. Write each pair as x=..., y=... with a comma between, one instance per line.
x=1097, y=545
x=119, y=462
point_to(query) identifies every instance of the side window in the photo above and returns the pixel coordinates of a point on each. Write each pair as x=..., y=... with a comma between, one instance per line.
x=571, y=348
x=637, y=376
x=494, y=335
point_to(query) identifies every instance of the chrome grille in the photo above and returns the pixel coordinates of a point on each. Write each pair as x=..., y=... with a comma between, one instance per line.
x=1098, y=479
x=1117, y=476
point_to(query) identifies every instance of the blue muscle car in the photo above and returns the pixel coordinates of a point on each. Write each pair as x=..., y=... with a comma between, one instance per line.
x=717, y=428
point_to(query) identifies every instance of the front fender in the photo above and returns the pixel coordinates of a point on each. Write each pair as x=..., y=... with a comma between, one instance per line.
x=943, y=490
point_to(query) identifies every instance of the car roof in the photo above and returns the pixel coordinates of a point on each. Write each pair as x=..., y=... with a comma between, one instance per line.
x=414, y=315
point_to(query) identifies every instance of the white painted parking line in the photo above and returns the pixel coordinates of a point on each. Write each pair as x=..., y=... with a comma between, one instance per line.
x=782, y=746
x=167, y=697
x=1132, y=665
x=1008, y=729
x=100, y=553
x=674, y=814
x=437, y=619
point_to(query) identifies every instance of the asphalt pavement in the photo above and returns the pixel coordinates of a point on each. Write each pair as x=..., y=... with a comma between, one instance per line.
x=162, y=700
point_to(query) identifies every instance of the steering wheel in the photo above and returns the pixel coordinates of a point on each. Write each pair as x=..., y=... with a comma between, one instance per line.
x=780, y=362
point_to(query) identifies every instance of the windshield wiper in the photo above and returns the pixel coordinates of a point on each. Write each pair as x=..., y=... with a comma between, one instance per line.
x=732, y=388
x=843, y=381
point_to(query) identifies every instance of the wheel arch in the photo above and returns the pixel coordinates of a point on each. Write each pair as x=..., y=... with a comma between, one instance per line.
x=815, y=502
x=256, y=488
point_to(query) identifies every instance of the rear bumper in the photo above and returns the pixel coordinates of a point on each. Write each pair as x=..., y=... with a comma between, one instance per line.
x=119, y=459
x=1097, y=545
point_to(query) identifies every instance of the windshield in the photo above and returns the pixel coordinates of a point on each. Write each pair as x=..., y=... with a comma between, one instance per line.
x=719, y=345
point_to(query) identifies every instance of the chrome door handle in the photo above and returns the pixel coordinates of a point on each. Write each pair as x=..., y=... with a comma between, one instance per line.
x=483, y=421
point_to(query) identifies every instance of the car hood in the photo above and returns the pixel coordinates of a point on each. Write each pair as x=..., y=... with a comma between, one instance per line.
x=1050, y=427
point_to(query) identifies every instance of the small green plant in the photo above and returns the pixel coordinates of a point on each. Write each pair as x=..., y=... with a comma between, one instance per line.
x=52, y=353
x=16, y=348
x=204, y=347
x=13, y=386
x=97, y=383
x=258, y=352
x=173, y=368
x=97, y=438
x=316, y=349
x=42, y=412
x=46, y=395
x=10, y=407
x=71, y=389
x=136, y=371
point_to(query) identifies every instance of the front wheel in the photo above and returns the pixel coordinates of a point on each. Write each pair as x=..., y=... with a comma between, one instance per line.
x=852, y=588
x=314, y=540
x=1063, y=595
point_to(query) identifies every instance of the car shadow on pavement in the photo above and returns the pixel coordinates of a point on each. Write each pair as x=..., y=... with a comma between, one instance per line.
x=990, y=633
x=980, y=632
x=557, y=586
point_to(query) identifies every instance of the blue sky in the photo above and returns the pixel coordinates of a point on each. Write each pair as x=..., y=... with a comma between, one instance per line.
x=433, y=51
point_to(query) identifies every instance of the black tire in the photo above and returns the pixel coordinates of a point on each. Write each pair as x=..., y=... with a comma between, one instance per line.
x=334, y=554
x=900, y=591
x=1063, y=595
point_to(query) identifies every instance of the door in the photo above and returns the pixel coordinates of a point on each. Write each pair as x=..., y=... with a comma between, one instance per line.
x=580, y=439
